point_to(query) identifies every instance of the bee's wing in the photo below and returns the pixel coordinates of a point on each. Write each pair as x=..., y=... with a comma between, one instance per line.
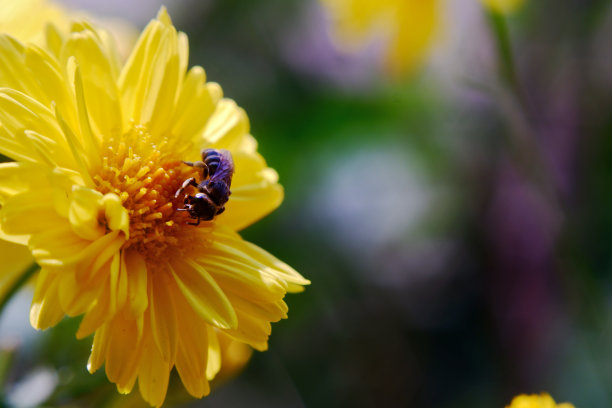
x=227, y=155
x=228, y=162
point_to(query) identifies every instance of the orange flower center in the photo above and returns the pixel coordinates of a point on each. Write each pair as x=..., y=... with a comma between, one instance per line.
x=146, y=175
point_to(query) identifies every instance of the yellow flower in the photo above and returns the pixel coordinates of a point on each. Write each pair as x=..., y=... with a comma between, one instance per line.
x=408, y=26
x=536, y=401
x=234, y=357
x=26, y=19
x=503, y=6
x=15, y=260
x=98, y=148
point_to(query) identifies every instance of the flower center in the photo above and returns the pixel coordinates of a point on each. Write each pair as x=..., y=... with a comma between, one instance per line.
x=145, y=174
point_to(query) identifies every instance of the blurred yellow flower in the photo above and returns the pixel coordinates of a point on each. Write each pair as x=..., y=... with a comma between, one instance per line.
x=503, y=6
x=15, y=260
x=536, y=401
x=98, y=148
x=407, y=27
x=234, y=357
x=26, y=19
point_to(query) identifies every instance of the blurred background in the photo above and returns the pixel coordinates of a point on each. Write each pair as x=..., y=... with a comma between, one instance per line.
x=449, y=196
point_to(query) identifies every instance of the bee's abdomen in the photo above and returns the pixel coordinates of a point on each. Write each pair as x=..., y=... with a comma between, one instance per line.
x=212, y=159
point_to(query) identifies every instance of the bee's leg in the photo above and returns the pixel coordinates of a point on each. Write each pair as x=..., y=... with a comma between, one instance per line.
x=195, y=223
x=220, y=210
x=189, y=182
x=199, y=165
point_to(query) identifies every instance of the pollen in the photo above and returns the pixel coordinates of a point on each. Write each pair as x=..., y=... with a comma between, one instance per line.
x=139, y=170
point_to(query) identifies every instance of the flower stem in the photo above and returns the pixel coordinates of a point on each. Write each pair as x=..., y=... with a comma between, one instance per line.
x=507, y=67
x=25, y=276
x=523, y=135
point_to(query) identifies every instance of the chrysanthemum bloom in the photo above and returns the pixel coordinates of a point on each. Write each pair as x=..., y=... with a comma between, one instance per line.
x=98, y=148
x=407, y=28
x=503, y=6
x=536, y=401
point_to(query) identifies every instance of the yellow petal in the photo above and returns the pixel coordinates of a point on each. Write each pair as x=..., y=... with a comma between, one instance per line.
x=232, y=245
x=76, y=298
x=99, y=84
x=62, y=250
x=99, y=349
x=183, y=54
x=243, y=279
x=118, y=282
x=193, y=107
x=85, y=213
x=45, y=310
x=153, y=374
x=20, y=113
x=57, y=247
x=52, y=83
x=163, y=315
x=53, y=39
x=82, y=160
x=15, y=239
x=255, y=191
x=137, y=301
x=61, y=181
x=123, y=352
x=94, y=318
x=214, y=354
x=89, y=140
x=29, y=213
x=192, y=355
x=163, y=16
x=19, y=177
x=13, y=66
x=116, y=215
x=15, y=260
x=149, y=80
x=228, y=124
x=216, y=92
x=252, y=331
x=203, y=294
x=88, y=263
x=196, y=385
x=268, y=311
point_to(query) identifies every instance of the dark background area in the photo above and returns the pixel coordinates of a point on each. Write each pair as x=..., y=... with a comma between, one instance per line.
x=455, y=223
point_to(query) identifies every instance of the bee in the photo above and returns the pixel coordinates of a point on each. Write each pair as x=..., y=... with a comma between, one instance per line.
x=214, y=190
